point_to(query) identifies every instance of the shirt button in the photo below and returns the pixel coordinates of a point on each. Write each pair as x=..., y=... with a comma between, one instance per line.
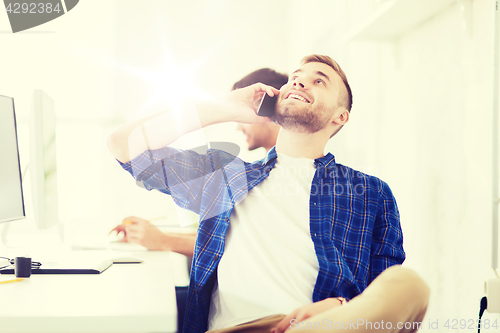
x=216, y=257
x=314, y=204
x=226, y=219
x=267, y=170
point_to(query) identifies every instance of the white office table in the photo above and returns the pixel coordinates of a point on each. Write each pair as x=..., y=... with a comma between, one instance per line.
x=125, y=298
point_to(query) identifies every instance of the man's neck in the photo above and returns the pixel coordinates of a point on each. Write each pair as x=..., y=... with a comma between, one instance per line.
x=301, y=144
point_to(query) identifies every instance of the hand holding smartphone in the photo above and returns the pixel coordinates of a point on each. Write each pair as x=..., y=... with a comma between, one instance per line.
x=267, y=106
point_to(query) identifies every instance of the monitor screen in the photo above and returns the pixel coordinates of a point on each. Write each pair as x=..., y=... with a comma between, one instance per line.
x=11, y=191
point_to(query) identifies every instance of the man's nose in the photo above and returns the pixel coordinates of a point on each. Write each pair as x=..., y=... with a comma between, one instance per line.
x=298, y=83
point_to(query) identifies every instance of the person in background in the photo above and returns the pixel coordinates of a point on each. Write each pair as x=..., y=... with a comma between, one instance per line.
x=261, y=135
x=141, y=231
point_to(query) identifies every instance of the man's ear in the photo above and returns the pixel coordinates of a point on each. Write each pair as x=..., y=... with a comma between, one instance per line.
x=341, y=116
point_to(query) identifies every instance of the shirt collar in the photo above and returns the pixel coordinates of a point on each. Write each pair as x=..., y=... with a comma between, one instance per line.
x=326, y=161
x=271, y=157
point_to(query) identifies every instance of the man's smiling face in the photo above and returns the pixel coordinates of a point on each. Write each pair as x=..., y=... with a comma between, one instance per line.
x=307, y=102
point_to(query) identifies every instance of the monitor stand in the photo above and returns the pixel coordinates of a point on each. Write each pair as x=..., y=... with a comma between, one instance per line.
x=4, y=227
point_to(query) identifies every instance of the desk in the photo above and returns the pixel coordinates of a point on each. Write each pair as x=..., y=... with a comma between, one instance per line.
x=126, y=298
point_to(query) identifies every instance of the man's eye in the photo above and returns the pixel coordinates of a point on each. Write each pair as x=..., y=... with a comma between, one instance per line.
x=319, y=81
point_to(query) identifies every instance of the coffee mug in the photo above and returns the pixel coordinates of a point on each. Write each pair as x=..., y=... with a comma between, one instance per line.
x=22, y=267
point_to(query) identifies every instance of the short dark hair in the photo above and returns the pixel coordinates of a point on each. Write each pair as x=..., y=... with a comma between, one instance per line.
x=345, y=101
x=267, y=76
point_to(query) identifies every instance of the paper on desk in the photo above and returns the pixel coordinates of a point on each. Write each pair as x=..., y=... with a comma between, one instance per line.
x=4, y=278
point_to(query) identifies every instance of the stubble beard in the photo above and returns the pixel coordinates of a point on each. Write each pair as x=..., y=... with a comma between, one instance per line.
x=307, y=120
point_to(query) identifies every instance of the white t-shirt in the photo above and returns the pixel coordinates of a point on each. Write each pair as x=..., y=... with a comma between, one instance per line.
x=269, y=264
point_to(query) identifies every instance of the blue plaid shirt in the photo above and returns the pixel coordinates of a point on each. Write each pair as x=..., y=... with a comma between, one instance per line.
x=354, y=219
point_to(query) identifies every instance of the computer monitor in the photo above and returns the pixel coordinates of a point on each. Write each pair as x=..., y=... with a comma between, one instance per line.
x=11, y=190
x=43, y=162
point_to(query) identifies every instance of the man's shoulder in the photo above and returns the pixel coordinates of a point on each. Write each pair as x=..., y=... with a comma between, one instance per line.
x=196, y=158
x=342, y=170
x=358, y=177
x=214, y=153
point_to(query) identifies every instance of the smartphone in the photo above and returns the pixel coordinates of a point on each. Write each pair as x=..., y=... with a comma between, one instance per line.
x=267, y=106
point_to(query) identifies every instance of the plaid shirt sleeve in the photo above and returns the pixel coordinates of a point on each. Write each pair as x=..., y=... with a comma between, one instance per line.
x=180, y=174
x=387, y=238
x=196, y=181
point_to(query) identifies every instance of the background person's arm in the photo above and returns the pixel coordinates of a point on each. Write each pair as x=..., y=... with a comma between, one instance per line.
x=182, y=243
x=143, y=232
x=160, y=130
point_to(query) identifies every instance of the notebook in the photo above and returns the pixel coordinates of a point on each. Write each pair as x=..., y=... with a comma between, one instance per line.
x=67, y=267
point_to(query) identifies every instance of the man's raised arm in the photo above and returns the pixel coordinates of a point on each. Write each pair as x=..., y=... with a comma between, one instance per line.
x=160, y=130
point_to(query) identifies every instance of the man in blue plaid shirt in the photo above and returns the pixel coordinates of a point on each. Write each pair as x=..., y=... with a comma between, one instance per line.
x=288, y=239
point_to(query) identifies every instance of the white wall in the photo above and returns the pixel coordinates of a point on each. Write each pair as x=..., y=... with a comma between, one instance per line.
x=107, y=63
x=59, y=57
x=421, y=121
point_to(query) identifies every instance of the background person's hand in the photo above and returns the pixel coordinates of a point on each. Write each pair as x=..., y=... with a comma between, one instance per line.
x=120, y=229
x=143, y=232
x=305, y=312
